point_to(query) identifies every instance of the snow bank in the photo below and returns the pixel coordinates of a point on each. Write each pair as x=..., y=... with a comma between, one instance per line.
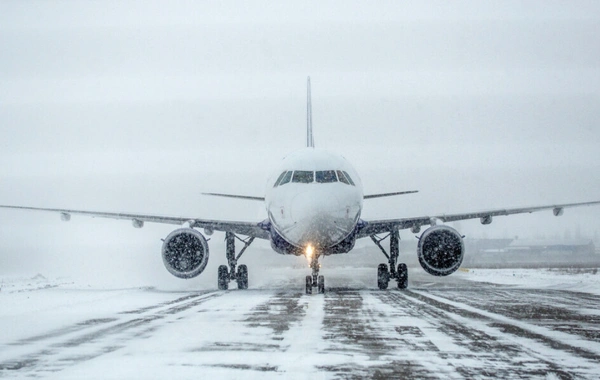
x=576, y=280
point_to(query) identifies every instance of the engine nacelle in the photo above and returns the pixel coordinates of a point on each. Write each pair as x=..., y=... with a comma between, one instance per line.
x=185, y=253
x=440, y=250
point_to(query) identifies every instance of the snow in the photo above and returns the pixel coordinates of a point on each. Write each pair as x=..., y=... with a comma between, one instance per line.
x=577, y=280
x=452, y=327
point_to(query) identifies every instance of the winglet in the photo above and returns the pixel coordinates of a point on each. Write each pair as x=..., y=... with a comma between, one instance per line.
x=310, y=142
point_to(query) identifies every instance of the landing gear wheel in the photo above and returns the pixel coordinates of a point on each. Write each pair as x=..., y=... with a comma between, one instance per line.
x=309, y=284
x=223, y=278
x=321, y=285
x=402, y=276
x=242, y=277
x=383, y=276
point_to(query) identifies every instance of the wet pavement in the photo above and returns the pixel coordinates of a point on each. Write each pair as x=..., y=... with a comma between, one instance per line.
x=451, y=329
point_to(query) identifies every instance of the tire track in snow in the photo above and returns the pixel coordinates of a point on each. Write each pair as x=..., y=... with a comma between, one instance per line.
x=361, y=340
x=304, y=341
x=278, y=314
x=555, y=339
x=492, y=347
x=471, y=351
x=80, y=342
x=262, y=332
x=554, y=309
x=94, y=322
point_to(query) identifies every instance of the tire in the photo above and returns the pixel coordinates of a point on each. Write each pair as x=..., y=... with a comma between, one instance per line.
x=383, y=276
x=308, y=284
x=402, y=276
x=223, y=278
x=321, y=285
x=242, y=277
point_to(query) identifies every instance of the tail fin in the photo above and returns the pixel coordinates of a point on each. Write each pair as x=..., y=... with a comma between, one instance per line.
x=310, y=142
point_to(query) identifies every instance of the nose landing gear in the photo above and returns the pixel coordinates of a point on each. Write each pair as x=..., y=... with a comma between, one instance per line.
x=314, y=280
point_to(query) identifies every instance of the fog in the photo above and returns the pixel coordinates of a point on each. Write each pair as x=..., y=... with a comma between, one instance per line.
x=141, y=106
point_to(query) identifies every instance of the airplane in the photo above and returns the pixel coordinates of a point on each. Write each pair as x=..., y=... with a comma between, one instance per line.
x=313, y=204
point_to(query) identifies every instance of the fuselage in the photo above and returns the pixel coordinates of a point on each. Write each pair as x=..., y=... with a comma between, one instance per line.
x=314, y=200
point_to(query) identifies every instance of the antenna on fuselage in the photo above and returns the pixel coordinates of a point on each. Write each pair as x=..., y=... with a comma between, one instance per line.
x=310, y=142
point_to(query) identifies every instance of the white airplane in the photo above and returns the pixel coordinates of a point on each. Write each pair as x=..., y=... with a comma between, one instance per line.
x=314, y=203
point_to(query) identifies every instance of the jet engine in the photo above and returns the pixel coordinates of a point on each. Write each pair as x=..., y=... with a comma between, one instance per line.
x=440, y=250
x=185, y=253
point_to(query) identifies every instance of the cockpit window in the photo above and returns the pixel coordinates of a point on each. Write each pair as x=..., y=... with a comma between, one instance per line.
x=286, y=178
x=345, y=177
x=349, y=179
x=279, y=179
x=325, y=176
x=302, y=176
x=342, y=177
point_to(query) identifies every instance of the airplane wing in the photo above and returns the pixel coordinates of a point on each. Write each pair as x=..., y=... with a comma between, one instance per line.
x=382, y=226
x=248, y=197
x=371, y=196
x=252, y=198
x=242, y=228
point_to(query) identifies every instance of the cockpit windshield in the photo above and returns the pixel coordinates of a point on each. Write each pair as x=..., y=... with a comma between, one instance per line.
x=342, y=177
x=349, y=178
x=301, y=176
x=279, y=179
x=325, y=176
x=320, y=176
x=286, y=178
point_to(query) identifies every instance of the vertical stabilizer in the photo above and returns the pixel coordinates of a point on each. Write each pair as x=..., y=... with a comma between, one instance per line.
x=310, y=142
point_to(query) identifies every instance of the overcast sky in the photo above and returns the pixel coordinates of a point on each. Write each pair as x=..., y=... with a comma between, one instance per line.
x=141, y=105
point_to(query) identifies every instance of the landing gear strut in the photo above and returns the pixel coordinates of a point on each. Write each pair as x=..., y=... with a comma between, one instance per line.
x=226, y=275
x=384, y=273
x=314, y=280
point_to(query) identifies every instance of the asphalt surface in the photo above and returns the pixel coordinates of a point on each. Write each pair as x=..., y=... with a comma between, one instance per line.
x=438, y=328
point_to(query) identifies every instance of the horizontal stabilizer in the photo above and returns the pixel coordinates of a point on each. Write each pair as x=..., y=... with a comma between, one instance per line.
x=371, y=196
x=236, y=196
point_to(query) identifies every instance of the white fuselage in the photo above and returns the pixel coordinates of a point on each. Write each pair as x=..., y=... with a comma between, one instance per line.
x=314, y=199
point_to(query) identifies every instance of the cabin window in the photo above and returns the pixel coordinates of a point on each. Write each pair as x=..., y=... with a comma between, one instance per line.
x=286, y=178
x=279, y=179
x=302, y=176
x=325, y=176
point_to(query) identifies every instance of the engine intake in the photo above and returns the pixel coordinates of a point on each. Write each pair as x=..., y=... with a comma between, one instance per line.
x=185, y=253
x=440, y=250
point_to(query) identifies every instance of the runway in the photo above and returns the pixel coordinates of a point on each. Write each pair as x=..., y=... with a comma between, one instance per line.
x=438, y=328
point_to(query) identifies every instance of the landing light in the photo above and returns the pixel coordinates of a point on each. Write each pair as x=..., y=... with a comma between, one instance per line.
x=309, y=252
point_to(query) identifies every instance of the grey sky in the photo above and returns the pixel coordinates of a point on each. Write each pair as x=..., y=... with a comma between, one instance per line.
x=135, y=105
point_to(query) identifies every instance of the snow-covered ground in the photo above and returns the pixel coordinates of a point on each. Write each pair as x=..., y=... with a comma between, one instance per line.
x=585, y=280
x=475, y=324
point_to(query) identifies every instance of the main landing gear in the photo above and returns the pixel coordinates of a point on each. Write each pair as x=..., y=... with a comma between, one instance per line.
x=226, y=275
x=314, y=280
x=384, y=273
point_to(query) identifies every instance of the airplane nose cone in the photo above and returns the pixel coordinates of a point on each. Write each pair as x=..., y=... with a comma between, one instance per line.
x=321, y=219
x=314, y=206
